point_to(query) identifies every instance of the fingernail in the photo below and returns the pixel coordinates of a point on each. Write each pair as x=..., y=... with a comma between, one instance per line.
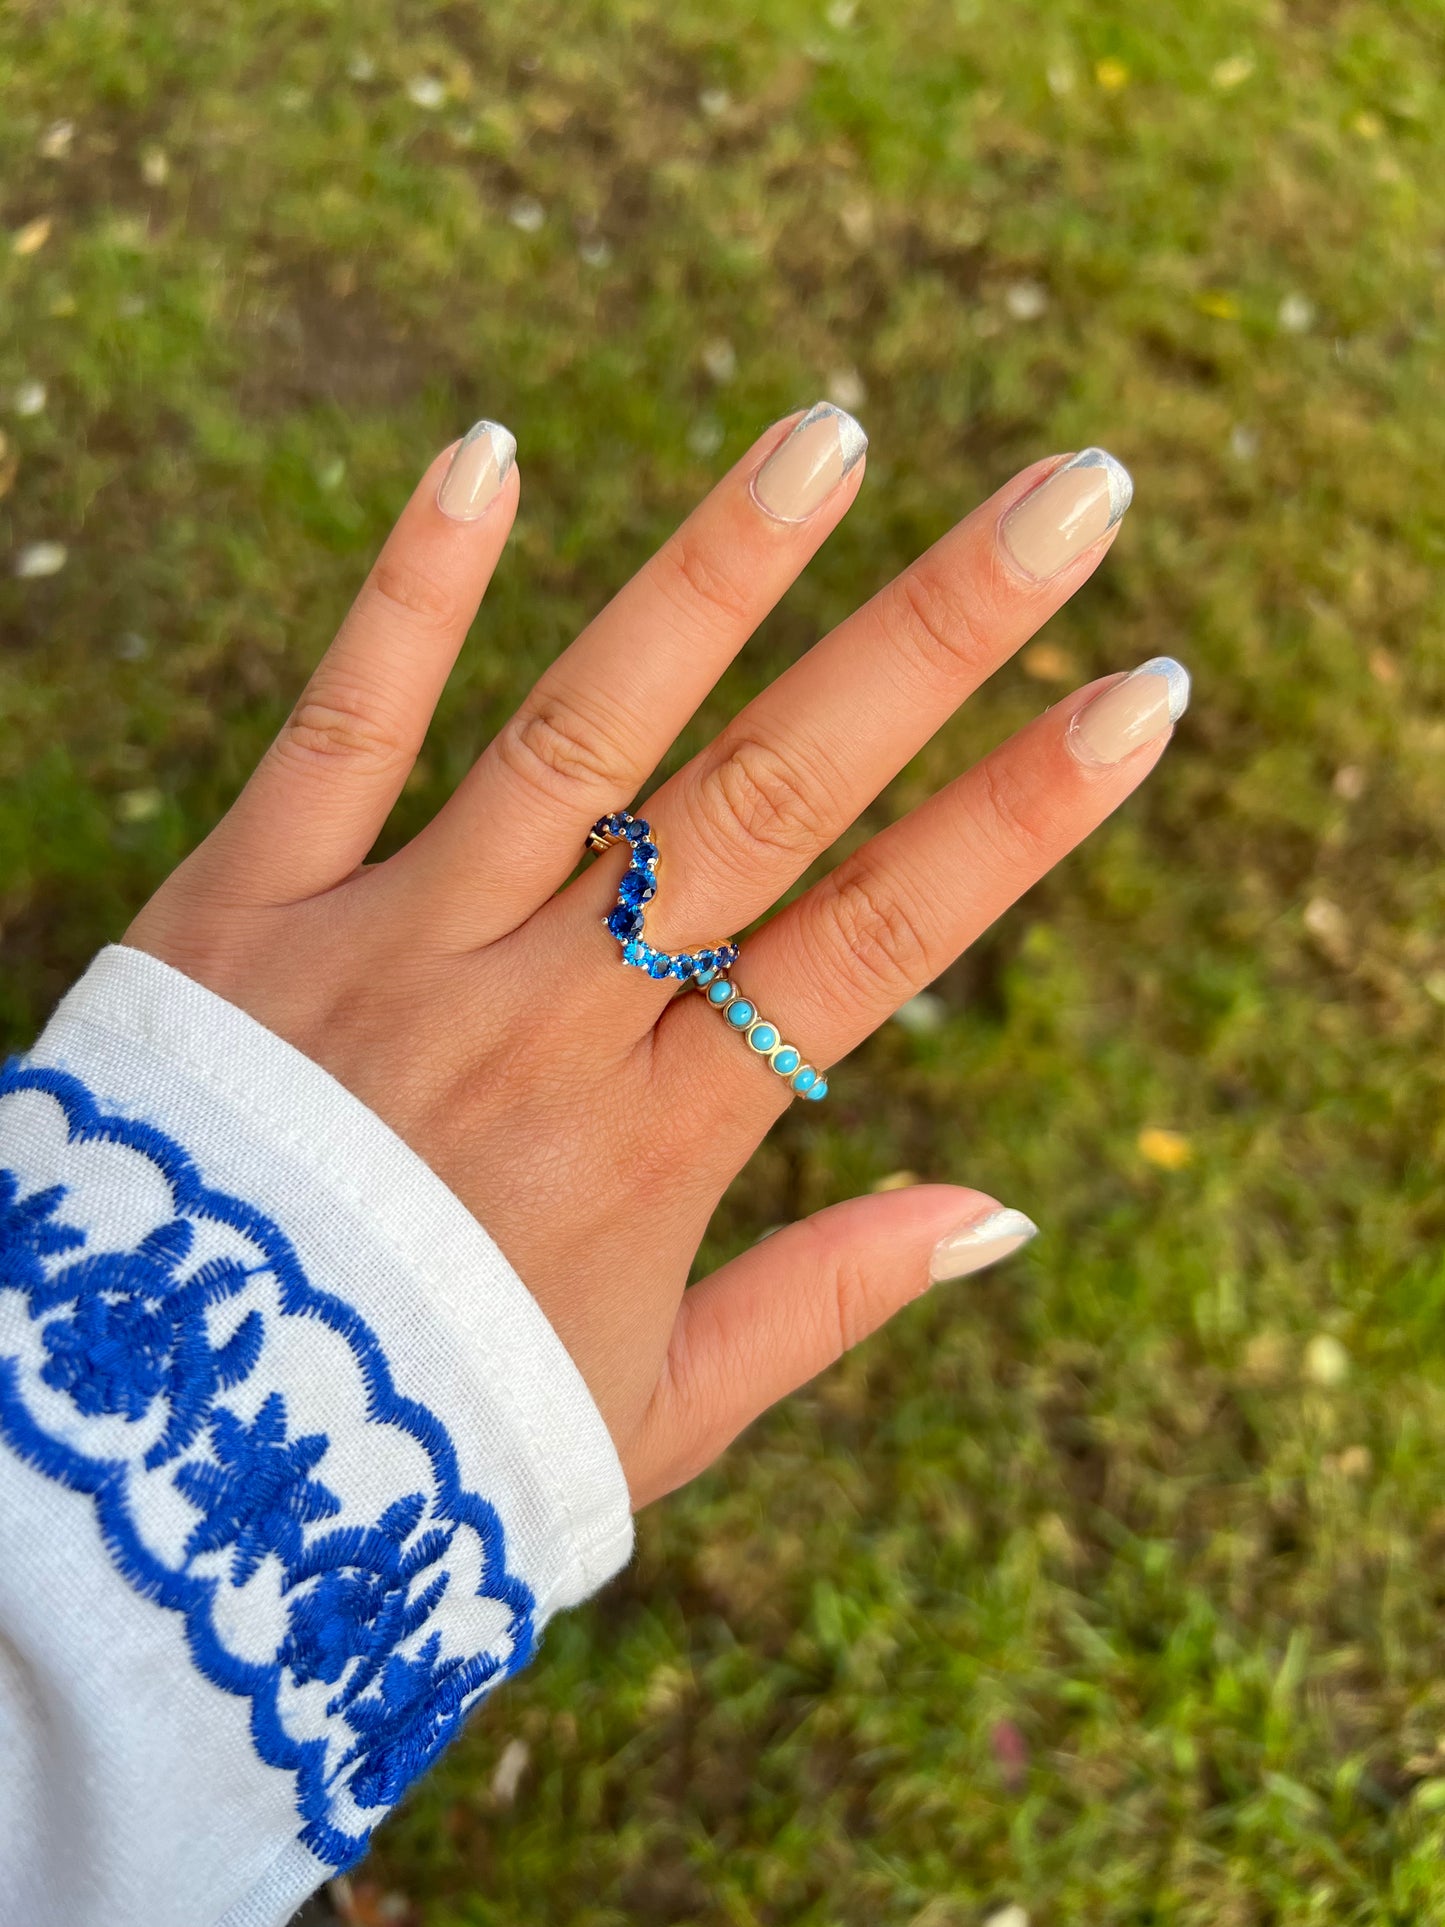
x=1066, y=514
x=798, y=477
x=479, y=468
x=983, y=1242
x=1131, y=713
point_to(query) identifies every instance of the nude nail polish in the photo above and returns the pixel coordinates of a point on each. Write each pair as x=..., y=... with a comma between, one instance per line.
x=800, y=475
x=1131, y=713
x=478, y=469
x=979, y=1243
x=1067, y=513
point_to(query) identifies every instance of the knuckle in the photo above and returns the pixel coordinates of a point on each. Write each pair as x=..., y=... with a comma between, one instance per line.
x=851, y=1299
x=832, y=1314
x=699, y=578
x=332, y=727
x=756, y=798
x=415, y=596
x=553, y=747
x=1013, y=818
x=937, y=622
x=881, y=935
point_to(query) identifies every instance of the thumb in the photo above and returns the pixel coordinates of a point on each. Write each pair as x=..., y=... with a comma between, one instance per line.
x=779, y=1313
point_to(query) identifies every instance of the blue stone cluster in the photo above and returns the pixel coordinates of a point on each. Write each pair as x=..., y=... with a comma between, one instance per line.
x=636, y=890
x=707, y=969
x=766, y=1039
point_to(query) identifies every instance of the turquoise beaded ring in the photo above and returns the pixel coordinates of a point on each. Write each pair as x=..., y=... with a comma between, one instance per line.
x=704, y=970
x=763, y=1036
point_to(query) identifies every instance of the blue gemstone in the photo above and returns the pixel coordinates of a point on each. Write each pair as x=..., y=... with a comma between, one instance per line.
x=818, y=1092
x=644, y=855
x=704, y=976
x=614, y=825
x=762, y=1037
x=805, y=1079
x=636, y=830
x=659, y=964
x=786, y=1061
x=704, y=959
x=741, y=1013
x=637, y=887
x=682, y=966
x=635, y=952
x=721, y=992
x=625, y=922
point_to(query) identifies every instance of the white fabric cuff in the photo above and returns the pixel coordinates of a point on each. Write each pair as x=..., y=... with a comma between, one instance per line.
x=291, y=1462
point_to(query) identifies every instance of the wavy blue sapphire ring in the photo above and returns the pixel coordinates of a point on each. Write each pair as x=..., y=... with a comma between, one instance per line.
x=705, y=970
x=636, y=890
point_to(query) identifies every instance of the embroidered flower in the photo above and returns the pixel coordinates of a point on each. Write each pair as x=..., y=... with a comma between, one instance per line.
x=259, y=1496
x=362, y=1605
x=408, y=1722
x=137, y=1331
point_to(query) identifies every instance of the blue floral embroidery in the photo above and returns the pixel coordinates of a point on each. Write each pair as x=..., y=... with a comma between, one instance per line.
x=409, y=1720
x=362, y=1605
x=259, y=1497
x=382, y=1656
x=134, y=1331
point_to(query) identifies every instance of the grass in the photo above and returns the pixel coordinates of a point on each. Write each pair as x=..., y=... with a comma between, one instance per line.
x=1109, y=1585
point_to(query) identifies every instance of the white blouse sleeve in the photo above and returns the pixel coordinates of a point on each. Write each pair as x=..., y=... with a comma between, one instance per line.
x=293, y=1469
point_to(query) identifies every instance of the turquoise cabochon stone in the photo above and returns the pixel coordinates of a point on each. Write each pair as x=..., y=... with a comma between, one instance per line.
x=741, y=1013
x=762, y=1037
x=805, y=1079
x=720, y=992
x=786, y=1061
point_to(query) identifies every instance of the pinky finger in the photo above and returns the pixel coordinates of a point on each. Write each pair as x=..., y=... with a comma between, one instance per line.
x=791, y=1306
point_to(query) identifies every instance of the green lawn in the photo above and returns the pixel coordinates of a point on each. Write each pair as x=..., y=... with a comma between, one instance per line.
x=1110, y=1584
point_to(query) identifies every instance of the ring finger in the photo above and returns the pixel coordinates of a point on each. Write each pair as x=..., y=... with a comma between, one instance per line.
x=832, y=966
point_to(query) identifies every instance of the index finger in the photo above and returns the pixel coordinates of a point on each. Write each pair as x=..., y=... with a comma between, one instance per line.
x=320, y=795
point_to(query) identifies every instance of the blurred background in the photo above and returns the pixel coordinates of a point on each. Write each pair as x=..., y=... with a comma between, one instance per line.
x=1106, y=1588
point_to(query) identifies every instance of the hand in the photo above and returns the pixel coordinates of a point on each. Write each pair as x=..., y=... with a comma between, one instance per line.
x=588, y=1115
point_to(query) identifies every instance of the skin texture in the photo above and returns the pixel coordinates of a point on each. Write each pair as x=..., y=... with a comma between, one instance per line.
x=480, y=1009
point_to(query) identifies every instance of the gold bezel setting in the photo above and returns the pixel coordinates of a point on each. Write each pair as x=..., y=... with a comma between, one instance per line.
x=816, y=1086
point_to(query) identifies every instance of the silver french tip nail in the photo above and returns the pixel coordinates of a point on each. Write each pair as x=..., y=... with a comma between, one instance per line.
x=979, y=1244
x=852, y=436
x=1177, y=677
x=1003, y=1223
x=1123, y=718
x=480, y=465
x=504, y=444
x=1120, y=481
x=821, y=450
